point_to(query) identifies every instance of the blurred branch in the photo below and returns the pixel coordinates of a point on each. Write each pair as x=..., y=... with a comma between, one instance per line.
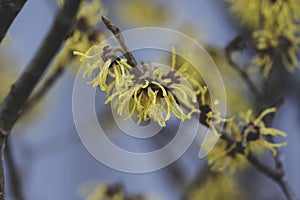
x=277, y=174
x=237, y=44
x=13, y=174
x=202, y=173
x=12, y=105
x=281, y=178
x=47, y=85
x=118, y=35
x=9, y=9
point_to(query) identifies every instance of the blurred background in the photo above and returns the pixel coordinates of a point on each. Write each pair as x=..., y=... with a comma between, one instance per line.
x=52, y=163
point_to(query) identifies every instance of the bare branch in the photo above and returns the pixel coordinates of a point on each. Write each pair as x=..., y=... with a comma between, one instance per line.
x=13, y=104
x=47, y=85
x=277, y=174
x=118, y=35
x=9, y=9
x=13, y=173
x=235, y=45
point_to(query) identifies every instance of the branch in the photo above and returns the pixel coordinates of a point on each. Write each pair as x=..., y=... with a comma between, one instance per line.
x=277, y=174
x=279, y=160
x=12, y=105
x=47, y=85
x=118, y=35
x=15, y=179
x=235, y=45
x=9, y=9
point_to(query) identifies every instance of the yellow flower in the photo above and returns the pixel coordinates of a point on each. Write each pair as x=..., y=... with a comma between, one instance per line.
x=216, y=186
x=147, y=91
x=142, y=13
x=227, y=155
x=108, y=65
x=247, y=11
x=83, y=35
x=155, y=94
x=275, y=26
x=270, y=43
x=209, y=117
x=7, y=76
x=254, y=131
x=94, y=191
x=273, y=13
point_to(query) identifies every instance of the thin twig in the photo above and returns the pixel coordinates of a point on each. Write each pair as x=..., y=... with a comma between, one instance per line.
x=15, y=178
x=14, y=102
x=47, y=85
x=262, y=167
x=9, y=9
x=281, y=178
x=277, y=174
x=118, y=35
x=235, y=45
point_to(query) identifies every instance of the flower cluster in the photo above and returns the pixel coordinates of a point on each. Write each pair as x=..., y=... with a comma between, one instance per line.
x=83, y=34
x=226, y=155
x=216, y=186
x=271, y=43
x=254, y=131
x=272, y=13
x=7, y=76
x=146, y=91
x=106, y=192
x=142, y=13
x=275, y=26
x=247, y=134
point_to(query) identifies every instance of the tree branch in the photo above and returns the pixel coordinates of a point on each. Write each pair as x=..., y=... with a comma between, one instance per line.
x=235, y=45
x=47, y=85
x=277, y=174
x=12, y=105
x=118, y=35
x=9, y=9
x=15, y=179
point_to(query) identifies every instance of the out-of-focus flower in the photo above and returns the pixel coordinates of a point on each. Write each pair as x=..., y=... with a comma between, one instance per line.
x=226, y=155
x=269, y=44
x=273, y=13
x=7, y=76
x=141, y=13
x=209, y=117
x=248, y=134
x=84, y=33
x=254, y=131
x=106, y=192
x=217, y=186
x=275, y=30
x=236, y=89
x=248, y=12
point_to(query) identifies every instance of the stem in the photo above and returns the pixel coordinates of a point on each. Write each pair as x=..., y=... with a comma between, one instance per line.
x=2, y=182
x=9, y=9
x=49, y=82
x=277, y=174
x=230, y=48
x=12, y=105
x=15, y=179
x=118, y=35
